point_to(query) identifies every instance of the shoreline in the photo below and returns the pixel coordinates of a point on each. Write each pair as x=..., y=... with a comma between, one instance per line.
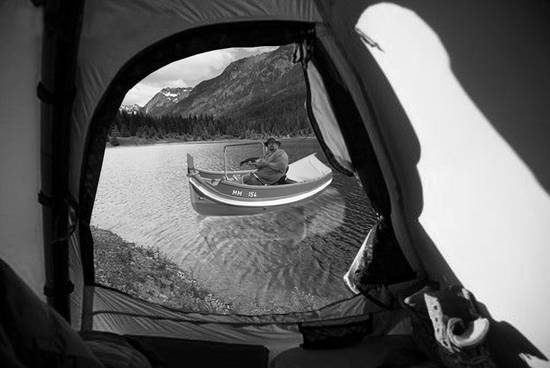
x=135, y=141
x=149, y=275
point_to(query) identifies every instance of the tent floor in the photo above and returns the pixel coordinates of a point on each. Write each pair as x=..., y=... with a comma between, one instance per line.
x=166, y=352
x=372, y=352
x=170, y=352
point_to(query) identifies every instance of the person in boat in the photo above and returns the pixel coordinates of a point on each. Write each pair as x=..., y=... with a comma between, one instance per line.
x=271, y=167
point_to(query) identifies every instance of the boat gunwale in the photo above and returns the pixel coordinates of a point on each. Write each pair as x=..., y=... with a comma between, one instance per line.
x=262, y=188
x=258, y=202
x=222, y=173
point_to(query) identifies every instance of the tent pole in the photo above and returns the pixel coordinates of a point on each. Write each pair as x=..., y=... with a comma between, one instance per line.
x=62, y=24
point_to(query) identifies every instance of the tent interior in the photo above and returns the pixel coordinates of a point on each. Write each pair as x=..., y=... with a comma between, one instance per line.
x=439, y=111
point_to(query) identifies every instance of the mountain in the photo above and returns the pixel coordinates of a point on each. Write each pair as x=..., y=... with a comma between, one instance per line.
x=253, y=97
x=165, y=99
x=259, y=90
x=261, y=94
x=131, y=109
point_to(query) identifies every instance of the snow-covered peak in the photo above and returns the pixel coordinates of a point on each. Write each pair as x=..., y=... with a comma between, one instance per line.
x=165, y=98
x=176, y=91
x=132, y=109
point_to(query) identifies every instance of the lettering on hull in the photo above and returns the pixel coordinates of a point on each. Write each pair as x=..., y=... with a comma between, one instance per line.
x=247, y=194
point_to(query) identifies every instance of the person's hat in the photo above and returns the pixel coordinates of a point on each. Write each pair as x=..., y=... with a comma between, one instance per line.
x=271, y=139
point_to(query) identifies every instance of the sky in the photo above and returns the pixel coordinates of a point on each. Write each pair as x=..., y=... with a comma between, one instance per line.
x=188, y=72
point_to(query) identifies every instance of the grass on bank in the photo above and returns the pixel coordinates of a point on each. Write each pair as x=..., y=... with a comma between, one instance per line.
x=149, y=275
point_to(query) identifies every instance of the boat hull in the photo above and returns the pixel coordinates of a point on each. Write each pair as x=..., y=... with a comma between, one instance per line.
x=233, y=199
x=213, y=193
x=206, y=206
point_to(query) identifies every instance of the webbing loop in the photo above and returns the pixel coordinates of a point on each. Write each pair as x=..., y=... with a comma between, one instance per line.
x=48, y=97
x=46, y=200
x=51, y=292
x=38, y=3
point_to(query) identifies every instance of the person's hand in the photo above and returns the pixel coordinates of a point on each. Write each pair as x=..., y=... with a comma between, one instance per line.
x=249, y=161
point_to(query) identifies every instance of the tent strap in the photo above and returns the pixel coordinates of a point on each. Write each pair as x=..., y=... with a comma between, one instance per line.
x=38, y=3
x=58, y=98
x=62, y=21
x=46, y=200
x=59, y=290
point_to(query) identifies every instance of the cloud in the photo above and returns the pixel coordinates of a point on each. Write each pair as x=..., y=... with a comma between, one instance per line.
x=188, y=72
x=139, y=93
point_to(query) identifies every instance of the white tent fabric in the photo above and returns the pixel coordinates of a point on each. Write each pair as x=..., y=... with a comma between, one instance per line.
x=483, y=205
x=307, y=168
x=356, y=264
x=349, y=74
x=450, y=155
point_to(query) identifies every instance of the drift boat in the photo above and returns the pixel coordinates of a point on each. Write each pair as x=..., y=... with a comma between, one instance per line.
x=221, y=193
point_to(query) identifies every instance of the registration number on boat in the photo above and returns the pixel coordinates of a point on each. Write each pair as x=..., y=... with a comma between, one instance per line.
x=239, y=193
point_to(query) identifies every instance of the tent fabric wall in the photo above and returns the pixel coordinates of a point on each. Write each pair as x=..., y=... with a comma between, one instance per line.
x=324, y=115
x=458, y=121
x=20, y=213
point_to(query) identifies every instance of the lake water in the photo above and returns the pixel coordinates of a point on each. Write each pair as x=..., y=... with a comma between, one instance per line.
x=292, y=257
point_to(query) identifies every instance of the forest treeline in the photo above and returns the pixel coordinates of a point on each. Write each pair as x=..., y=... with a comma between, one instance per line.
x=206, y=127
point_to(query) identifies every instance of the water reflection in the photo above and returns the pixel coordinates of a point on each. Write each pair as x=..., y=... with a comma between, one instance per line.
x=282, y=225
